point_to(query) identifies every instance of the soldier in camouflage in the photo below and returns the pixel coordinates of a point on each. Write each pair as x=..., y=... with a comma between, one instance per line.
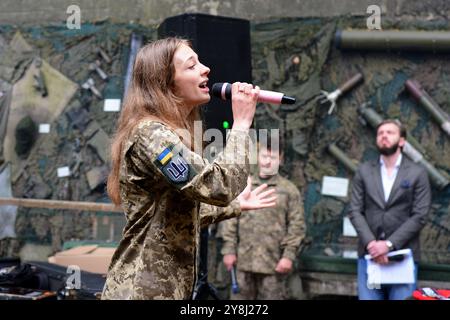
x=160, y=182
x=264, y=243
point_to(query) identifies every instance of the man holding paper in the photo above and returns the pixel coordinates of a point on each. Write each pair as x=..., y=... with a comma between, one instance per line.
x=390, y=200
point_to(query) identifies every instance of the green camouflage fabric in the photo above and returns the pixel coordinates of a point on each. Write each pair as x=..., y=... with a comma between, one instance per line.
x=156, y=258
x=210, y=214
x=267, y=235
x=257, y=286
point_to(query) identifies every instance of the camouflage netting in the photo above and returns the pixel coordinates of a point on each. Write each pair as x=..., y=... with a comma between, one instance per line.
x=295, y=56
x=79, y=134
x=298, y=57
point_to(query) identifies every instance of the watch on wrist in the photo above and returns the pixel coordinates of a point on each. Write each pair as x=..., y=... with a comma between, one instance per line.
x=389, y=245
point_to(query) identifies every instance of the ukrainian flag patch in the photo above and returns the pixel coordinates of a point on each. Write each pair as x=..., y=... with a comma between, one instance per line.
x=165, y=156
x=174, y=167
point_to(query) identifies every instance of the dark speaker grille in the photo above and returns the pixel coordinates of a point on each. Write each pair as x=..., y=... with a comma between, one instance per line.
x=222, y=44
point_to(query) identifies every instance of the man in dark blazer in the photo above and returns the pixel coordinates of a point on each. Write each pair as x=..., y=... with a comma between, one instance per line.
x=390, y=200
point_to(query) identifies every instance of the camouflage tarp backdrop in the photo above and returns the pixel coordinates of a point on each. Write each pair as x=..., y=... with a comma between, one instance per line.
x=298, y=57
x=79, y=134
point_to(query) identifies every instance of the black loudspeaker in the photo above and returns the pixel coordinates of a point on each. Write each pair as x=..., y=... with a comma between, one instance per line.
x=222, y=44
x=91, y=284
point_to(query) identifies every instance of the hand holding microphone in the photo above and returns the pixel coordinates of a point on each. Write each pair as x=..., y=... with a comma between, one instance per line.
x=230, y=260
x=243, y=104
x=223, y=90
x=234, y=283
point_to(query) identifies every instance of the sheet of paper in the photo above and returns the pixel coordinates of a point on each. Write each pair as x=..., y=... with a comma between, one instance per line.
x=332, y=186
x=44, y=128
x=111, y=105
x=63, y=172
x=393, y=272
x=350, y=254
x=348, y=229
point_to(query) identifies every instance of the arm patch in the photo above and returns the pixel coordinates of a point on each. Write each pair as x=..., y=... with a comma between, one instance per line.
x=174, y=167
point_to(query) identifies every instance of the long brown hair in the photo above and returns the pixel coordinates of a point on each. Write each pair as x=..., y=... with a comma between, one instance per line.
x=150, y=95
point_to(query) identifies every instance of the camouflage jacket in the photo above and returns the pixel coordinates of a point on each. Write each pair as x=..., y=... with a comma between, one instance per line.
x=260, y=238
x=162, y=184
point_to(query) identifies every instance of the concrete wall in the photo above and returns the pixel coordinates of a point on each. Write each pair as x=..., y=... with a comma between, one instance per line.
x=29, y=12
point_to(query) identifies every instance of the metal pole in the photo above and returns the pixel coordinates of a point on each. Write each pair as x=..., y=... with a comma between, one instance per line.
x=59, y=204
x=429, y=41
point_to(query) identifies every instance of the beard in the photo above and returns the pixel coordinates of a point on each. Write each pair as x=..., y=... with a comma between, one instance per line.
x=388, y=151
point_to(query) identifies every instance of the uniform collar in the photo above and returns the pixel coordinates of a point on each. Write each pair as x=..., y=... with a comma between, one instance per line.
x=271, y=181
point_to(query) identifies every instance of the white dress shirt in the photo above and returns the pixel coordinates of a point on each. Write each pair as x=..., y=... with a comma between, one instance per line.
x=388, y=181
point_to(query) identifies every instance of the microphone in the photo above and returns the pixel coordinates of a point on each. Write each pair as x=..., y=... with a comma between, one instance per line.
x=223, y=90
x=234, y=283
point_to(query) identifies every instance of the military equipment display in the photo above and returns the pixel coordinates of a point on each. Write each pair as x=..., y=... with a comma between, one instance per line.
x=39, y=79
x=332, y=97
x=342, y=157
x=103, y=55
x=429, y=104
x=96, y=66
x=90, y=85
x=437, y=178
x=427, y=41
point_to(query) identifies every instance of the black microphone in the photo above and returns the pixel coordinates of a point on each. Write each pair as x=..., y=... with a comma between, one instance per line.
x=234, y=283
x=223, y=90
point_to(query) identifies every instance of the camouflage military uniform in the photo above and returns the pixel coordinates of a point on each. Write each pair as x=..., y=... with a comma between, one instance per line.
x=162, y=185
x=260, y=238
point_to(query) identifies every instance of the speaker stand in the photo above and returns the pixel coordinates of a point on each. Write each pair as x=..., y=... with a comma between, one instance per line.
x=203, y=290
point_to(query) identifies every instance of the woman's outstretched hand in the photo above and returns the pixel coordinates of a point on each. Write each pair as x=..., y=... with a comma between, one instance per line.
x=258, y=198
